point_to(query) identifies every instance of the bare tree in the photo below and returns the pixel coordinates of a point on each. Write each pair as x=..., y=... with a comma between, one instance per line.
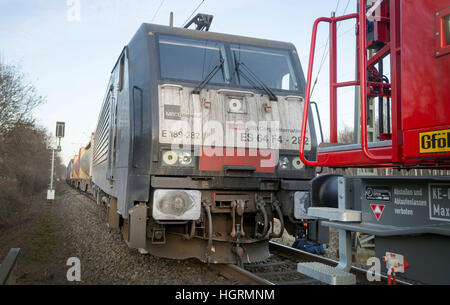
x=18, y=98
x=346, y=135
x=24, y=146
x=27, y=157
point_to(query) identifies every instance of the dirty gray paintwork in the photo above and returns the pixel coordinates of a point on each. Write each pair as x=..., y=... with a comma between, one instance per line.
x=115, y=166
x=195, y=116
x=137, y=135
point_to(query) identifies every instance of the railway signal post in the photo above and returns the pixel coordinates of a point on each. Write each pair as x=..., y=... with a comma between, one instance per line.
x=60, y=129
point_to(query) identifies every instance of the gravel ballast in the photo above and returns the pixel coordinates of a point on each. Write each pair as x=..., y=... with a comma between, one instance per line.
x=77, y=228
x=106, y=259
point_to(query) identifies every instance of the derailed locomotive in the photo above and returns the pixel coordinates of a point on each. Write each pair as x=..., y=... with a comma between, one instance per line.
x=196, y=147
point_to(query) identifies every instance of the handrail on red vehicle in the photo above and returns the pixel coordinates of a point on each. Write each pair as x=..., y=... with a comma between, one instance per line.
x=362, y=77
x=363, y=89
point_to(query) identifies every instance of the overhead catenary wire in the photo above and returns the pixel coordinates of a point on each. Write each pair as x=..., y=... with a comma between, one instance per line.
x=193, y=12
x=325, y=51
x=157, y=10
x=324, y=45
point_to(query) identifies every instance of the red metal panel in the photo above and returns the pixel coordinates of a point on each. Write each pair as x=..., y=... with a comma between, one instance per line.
x=354, y=158
x=413, y=149
x=425, y=78
x=232, y=156
x=419, y=89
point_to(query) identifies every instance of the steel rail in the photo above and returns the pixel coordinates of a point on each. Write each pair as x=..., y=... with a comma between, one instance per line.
x=299, y=254
x=7, y=267
x=236, y=273
x=239, y=274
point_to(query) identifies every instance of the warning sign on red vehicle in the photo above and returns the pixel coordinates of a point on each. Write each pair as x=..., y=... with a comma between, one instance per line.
x=377, y=210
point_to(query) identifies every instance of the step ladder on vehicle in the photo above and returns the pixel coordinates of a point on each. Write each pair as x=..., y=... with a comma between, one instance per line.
x=340, y=274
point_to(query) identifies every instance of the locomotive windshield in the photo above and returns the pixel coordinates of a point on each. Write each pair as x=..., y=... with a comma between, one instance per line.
x=195, y=60
x=273, y=67
x=192, y=59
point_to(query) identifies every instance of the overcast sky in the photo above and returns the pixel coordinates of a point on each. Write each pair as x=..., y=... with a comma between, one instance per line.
x=69, y=57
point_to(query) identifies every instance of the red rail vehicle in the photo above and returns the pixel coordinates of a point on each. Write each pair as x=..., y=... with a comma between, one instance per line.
x=409, y=216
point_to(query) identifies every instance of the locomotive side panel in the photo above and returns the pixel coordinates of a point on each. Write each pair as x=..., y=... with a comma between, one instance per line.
x=112, y=138
x=143, y=97
x=101, y=143
x=121, y=139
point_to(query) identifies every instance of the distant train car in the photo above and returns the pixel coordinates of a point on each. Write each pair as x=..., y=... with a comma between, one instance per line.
x=82, y=167
x=84, y=163
x=75, y=167
x=196, y=145
x=69, y=171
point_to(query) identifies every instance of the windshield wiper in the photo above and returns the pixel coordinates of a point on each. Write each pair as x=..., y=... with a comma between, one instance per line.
x=208, y=77
x=261, y=85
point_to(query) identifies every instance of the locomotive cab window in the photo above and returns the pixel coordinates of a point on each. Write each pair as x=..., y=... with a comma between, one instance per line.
x=192, y=59
x=272, y=67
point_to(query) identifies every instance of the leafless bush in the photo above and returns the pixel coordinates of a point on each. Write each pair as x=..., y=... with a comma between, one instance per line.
x=24, y=153
x=9, y=196
x=27, y=157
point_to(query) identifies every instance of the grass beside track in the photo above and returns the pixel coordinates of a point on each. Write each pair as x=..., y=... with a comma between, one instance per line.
x=43, y=239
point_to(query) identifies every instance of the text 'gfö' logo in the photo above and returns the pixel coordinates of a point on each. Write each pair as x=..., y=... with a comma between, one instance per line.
x=436, y=141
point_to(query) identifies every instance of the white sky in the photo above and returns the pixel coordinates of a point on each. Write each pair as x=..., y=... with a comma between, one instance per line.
x=69, y=62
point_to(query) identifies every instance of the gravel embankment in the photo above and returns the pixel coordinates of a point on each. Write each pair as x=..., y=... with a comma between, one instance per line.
x=106, y=259
x=49, y=233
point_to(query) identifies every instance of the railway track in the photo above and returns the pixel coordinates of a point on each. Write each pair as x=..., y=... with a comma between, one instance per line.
x=281, y=267
x=87, y=195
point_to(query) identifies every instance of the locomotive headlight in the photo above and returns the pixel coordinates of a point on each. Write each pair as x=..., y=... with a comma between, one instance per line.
x=176, y=205
x=236, y=105
x=283, y=163
x=297, y=163
x=170, y=157
x=185, y=159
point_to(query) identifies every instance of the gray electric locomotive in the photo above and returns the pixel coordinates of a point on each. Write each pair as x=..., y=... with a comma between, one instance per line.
x=196, y=145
